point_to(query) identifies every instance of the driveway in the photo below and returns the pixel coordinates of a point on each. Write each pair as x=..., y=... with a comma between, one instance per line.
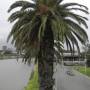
x=67, y=82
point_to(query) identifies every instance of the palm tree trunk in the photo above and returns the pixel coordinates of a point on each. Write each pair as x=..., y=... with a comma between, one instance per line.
x=45, y=61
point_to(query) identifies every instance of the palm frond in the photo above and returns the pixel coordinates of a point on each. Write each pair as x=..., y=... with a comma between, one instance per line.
x=23, y=4
x=79, y=9
x=32, y=21
x=42, y=27
x=73, y=4
x=77, y=18
x=77, y=28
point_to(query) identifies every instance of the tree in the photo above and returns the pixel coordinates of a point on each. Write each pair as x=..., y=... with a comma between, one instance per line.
x=86, y=53
x=41, y=22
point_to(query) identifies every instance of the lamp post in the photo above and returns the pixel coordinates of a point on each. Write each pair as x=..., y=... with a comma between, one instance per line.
x=85, y=63
x=85, y=59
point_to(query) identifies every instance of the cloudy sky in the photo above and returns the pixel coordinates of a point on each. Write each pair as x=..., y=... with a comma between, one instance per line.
x=5, y=26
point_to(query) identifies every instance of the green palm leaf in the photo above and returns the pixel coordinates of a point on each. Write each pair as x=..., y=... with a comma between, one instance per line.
x=33, y=18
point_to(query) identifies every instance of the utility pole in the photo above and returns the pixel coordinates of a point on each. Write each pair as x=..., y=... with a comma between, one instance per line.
x=85, y=63
x=85, y=59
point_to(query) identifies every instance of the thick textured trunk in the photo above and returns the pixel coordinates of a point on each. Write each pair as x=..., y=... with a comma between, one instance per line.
x=45, y=61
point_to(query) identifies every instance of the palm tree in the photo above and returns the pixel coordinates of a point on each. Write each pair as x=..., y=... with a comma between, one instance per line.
x=38, y=24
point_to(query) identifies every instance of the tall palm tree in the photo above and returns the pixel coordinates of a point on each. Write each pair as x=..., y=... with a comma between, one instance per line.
x=38, y=24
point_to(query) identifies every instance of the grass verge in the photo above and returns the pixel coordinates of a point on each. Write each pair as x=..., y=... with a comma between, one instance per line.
x=33, y=83
x=82, y=70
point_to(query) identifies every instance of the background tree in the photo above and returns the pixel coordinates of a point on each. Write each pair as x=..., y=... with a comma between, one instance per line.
x=41, y=22
x=86, y=53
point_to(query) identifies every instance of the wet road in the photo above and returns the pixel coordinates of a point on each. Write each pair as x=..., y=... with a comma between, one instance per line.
x=67, y=82
x=13, y=75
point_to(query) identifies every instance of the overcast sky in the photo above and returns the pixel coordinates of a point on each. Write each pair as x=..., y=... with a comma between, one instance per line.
x=5, y=26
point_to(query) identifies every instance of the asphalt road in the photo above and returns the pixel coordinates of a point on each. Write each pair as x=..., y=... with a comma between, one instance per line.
x=68, y=82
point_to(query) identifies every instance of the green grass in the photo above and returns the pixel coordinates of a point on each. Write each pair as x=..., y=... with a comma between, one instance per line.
x=33, y=83
x=82, y=70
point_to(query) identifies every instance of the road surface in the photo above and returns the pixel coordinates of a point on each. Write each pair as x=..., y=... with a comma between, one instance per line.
x=67, y=82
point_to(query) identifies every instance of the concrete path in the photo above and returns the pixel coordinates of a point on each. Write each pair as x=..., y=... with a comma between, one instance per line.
x=67, y=82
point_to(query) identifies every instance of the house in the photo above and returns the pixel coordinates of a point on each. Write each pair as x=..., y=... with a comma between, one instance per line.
x=73, y=59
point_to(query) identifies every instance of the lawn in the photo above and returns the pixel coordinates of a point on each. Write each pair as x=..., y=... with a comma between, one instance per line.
x=82, y=70
x=33, y=82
